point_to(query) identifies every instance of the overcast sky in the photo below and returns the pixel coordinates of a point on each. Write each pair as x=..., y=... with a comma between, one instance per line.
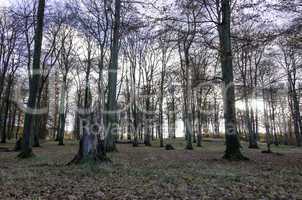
x=4, y=3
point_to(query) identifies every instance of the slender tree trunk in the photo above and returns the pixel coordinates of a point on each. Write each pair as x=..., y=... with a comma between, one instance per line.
x=199, y=118
x=62, y=114
x=56, y=107
x=187, y=102
x=297, y=118
x=273, y=118
x=193, y=116
x=161, y=99
x=135, y=124
x=147, y=128
x=12, y=121
x=33, y=83
x=266, y=125
x=257, y=125
x=216, y=117
x=112, y=83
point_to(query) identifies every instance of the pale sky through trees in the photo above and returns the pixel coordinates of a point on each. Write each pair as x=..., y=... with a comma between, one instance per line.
x=4, y=3
x=273, y=18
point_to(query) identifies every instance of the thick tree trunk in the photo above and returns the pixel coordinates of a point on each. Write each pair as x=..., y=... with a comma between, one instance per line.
x=13, y=116
x=232, y=151
x=36, y=121
x=6, y=105
x=92, y=146
x=92, y=138
x=248, y=120
x=37, y=118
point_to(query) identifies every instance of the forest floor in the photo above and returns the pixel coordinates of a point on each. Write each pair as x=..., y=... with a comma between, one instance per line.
x=152, y=173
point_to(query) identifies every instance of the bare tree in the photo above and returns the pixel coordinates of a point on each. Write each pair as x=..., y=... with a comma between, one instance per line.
x=33, y=84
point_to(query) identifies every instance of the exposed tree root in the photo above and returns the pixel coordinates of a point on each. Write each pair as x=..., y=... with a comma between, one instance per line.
x=95, y=159
x=123, y=142
x=26, y=154
x=235, y=156
x=169, y=147
x=189, y=147
x=266, y=151
x=135, y=143
x=271, y=152
x=254, y=146
x=36, y=145
x=111, y=148
x=148, y=144
x=3, y=149
x=18, y=145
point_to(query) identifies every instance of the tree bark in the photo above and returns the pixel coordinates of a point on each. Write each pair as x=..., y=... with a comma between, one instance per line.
x=232, y=151
x=33, y=83
x=111, y=122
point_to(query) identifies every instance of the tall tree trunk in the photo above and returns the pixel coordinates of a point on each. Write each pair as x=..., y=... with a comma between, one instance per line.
x=129, y=122
x=187, y=102
x=248, y=120
x=62, y=114
x=232, y=151
x=147, y=123
x=199, y=117
x=273, y=120
x=56, y=107
x=266, y=124
x=33, y=83
x=161, y=100
x=193, y=116
x=13, y=115
x=296, y=118
x=6, y=105
x=111, y=122
x=216, y=117
x=36, y=121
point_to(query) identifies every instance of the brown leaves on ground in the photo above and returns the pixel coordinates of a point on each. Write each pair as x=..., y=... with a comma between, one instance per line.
x=152, y=173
